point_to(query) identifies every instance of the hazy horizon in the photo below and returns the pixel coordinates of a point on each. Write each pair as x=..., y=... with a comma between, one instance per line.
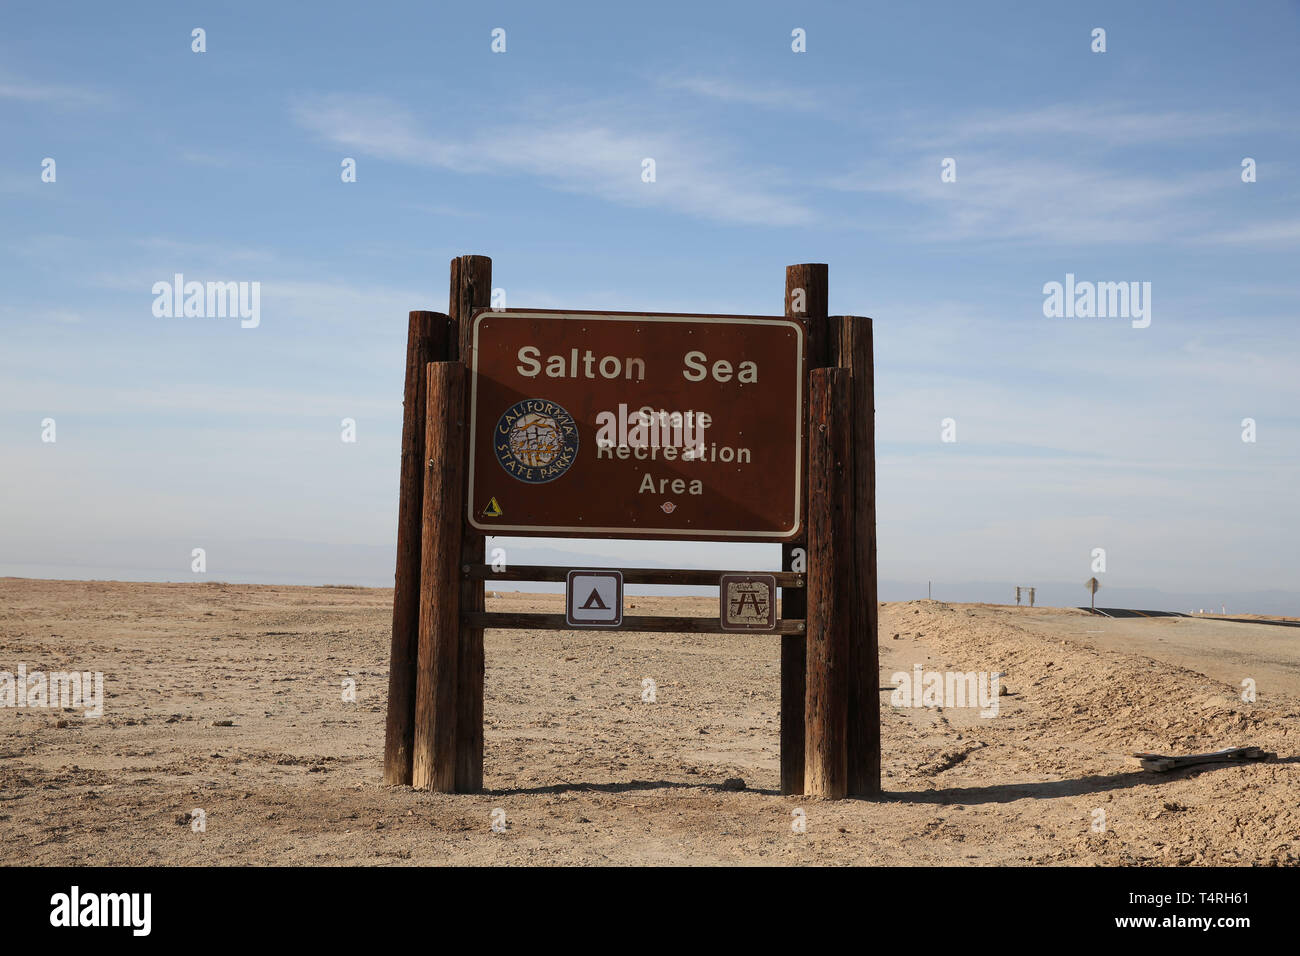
x=1047, y=593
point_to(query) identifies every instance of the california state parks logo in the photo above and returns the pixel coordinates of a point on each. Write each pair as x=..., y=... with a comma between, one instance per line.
x=536, y=441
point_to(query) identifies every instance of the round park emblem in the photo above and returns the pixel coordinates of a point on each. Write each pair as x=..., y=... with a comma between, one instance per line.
x=536, y=441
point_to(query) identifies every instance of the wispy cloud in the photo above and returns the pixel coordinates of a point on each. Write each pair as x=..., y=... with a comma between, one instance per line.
x=998, y=196
x=749, y=93
x=201, y=158
x=209, y=399
x=71, y=97
x=1098, y=125
x=1058, y=175
x=596, y=156
x=1285, y=231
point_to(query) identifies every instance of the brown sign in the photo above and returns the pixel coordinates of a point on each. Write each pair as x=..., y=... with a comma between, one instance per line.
x=636, y=426
x=748, y=602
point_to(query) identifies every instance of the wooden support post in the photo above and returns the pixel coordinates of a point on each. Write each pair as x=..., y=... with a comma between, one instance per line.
x=830, y=583
x=805, y=298
x=471, y=288
x=427, y=340
x=434, y=764
x=853, y=351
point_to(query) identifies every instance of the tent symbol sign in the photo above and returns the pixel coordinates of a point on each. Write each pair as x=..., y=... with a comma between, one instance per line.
x=594, y=599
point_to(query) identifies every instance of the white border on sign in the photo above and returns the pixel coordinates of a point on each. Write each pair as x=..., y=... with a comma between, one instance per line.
x=635, y=530
x=592, y=573
x=769, y=580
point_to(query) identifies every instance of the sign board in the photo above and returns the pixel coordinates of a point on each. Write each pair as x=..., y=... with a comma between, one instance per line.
x=638, y=426
x=594, y=599
x=748, y=602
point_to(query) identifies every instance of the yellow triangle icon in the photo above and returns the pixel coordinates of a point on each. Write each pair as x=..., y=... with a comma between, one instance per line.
x=493, y=510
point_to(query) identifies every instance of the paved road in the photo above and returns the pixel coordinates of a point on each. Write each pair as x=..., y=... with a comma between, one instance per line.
x=1128, y=612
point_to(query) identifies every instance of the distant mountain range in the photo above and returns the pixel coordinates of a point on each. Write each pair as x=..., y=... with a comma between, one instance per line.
x=310, y=564
x=1059, y=594
x=1046, y=594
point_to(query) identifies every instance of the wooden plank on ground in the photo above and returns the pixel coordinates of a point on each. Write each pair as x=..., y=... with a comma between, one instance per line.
x=1161, y=763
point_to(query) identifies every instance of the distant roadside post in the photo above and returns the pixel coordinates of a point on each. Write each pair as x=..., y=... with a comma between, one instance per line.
x=1092, y=584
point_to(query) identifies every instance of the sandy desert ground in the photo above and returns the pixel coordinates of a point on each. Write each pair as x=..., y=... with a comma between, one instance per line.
x=588, y=773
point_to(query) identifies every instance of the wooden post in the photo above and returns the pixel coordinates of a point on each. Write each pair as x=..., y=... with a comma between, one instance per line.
x=427, y=340
x=471, y=288
x=805, y=298
x=434, y=764
x=853, y=351
x=830, y=582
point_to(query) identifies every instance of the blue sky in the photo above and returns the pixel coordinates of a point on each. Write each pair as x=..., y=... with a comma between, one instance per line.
x=1072, y=434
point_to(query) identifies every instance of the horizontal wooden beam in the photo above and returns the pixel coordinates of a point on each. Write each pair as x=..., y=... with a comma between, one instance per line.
x=652, y=623
x=691, y=576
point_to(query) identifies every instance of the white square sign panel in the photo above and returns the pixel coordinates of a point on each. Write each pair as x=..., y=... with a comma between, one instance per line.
x=594, y=599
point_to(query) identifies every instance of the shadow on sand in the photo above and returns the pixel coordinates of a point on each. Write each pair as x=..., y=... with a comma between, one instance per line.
x=1006, y=793
x=1001, y=793
x=628, y=787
